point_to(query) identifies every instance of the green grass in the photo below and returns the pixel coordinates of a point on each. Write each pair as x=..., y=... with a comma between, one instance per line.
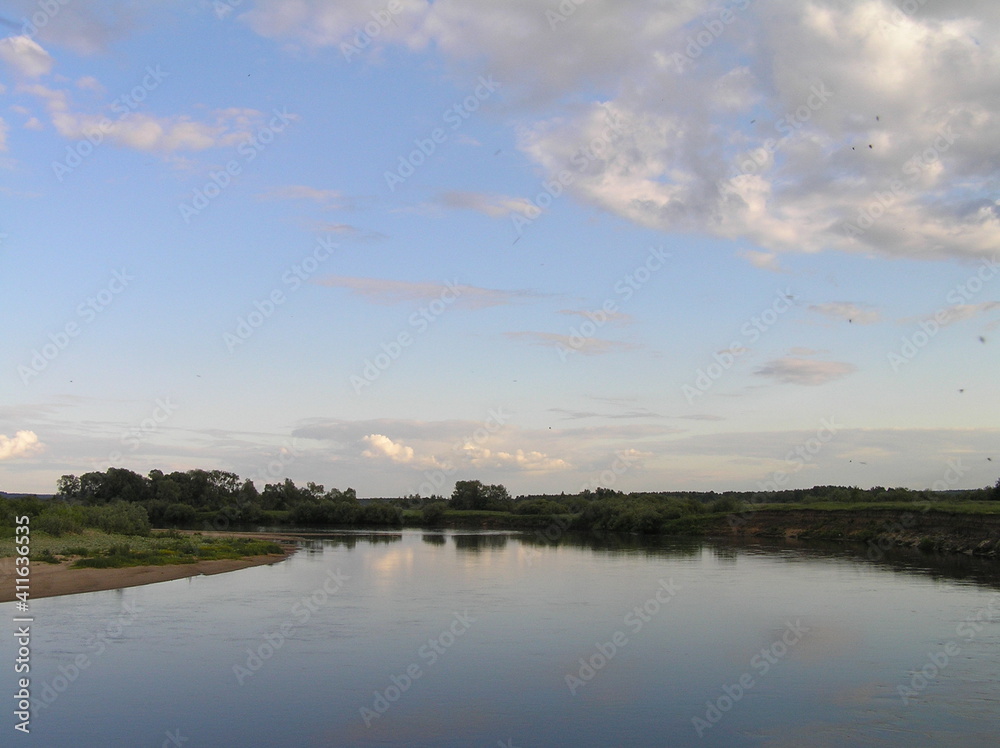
x=101, y=550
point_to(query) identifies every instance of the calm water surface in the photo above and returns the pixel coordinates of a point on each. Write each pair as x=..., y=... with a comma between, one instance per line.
x=461, y=639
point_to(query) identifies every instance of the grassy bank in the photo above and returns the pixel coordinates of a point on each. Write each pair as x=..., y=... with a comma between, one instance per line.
x=94, y=548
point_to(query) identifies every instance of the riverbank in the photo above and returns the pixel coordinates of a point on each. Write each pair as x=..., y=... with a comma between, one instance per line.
x=51, y=580
x=933, y=530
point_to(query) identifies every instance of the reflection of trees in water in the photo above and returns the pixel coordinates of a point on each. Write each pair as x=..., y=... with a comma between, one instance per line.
x=312, y=547
x=899, y=559
x=610, y=542
x=349, y=540
x=477, y=543
x=434, y=539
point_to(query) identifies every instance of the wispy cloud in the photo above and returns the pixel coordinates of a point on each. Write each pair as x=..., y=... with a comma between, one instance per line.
x=145, y=132
x=495, y=206
x=577, y=414
x=762, y=260
x=384, y=291
x=328, y=199
x=620, y=318
x=804, y=371
x=859, y=314
x=587, y=346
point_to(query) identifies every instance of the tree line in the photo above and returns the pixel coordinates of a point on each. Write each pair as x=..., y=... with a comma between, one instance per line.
x=121, y=499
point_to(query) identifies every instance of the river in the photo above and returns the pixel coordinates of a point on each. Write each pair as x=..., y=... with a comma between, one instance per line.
x=456, y=638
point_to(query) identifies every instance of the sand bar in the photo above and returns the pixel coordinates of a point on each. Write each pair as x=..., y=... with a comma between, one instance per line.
x=49, y=580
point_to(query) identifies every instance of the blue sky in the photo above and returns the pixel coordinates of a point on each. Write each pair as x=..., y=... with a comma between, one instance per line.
x=706, y=246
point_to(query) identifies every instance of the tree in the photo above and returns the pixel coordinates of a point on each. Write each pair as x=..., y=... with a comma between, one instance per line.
x=472, y=494
x=468, y=494
x=68, y=487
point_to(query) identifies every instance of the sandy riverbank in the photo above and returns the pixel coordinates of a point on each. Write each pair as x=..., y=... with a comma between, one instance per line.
x=49, y=580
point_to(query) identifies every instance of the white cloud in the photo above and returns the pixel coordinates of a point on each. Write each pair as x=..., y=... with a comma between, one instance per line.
x=146, y=132
x=318, y=23
x=816, y=74
x=382, y=446
x=21, y=444
x=681, y=160
x=26, y=56
x=531, y=460
x=3, y=134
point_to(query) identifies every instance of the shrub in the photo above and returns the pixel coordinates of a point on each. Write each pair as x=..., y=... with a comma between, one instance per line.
x=121, y=518
x=433, y=513
x=58, y=521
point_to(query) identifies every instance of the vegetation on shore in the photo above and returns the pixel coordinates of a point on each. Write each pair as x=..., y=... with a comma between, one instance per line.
x=118, y=502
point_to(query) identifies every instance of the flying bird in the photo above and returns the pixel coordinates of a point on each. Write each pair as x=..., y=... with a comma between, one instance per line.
x=982, y=339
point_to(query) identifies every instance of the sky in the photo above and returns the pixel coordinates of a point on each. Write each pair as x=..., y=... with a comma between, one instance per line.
x=390, y=245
